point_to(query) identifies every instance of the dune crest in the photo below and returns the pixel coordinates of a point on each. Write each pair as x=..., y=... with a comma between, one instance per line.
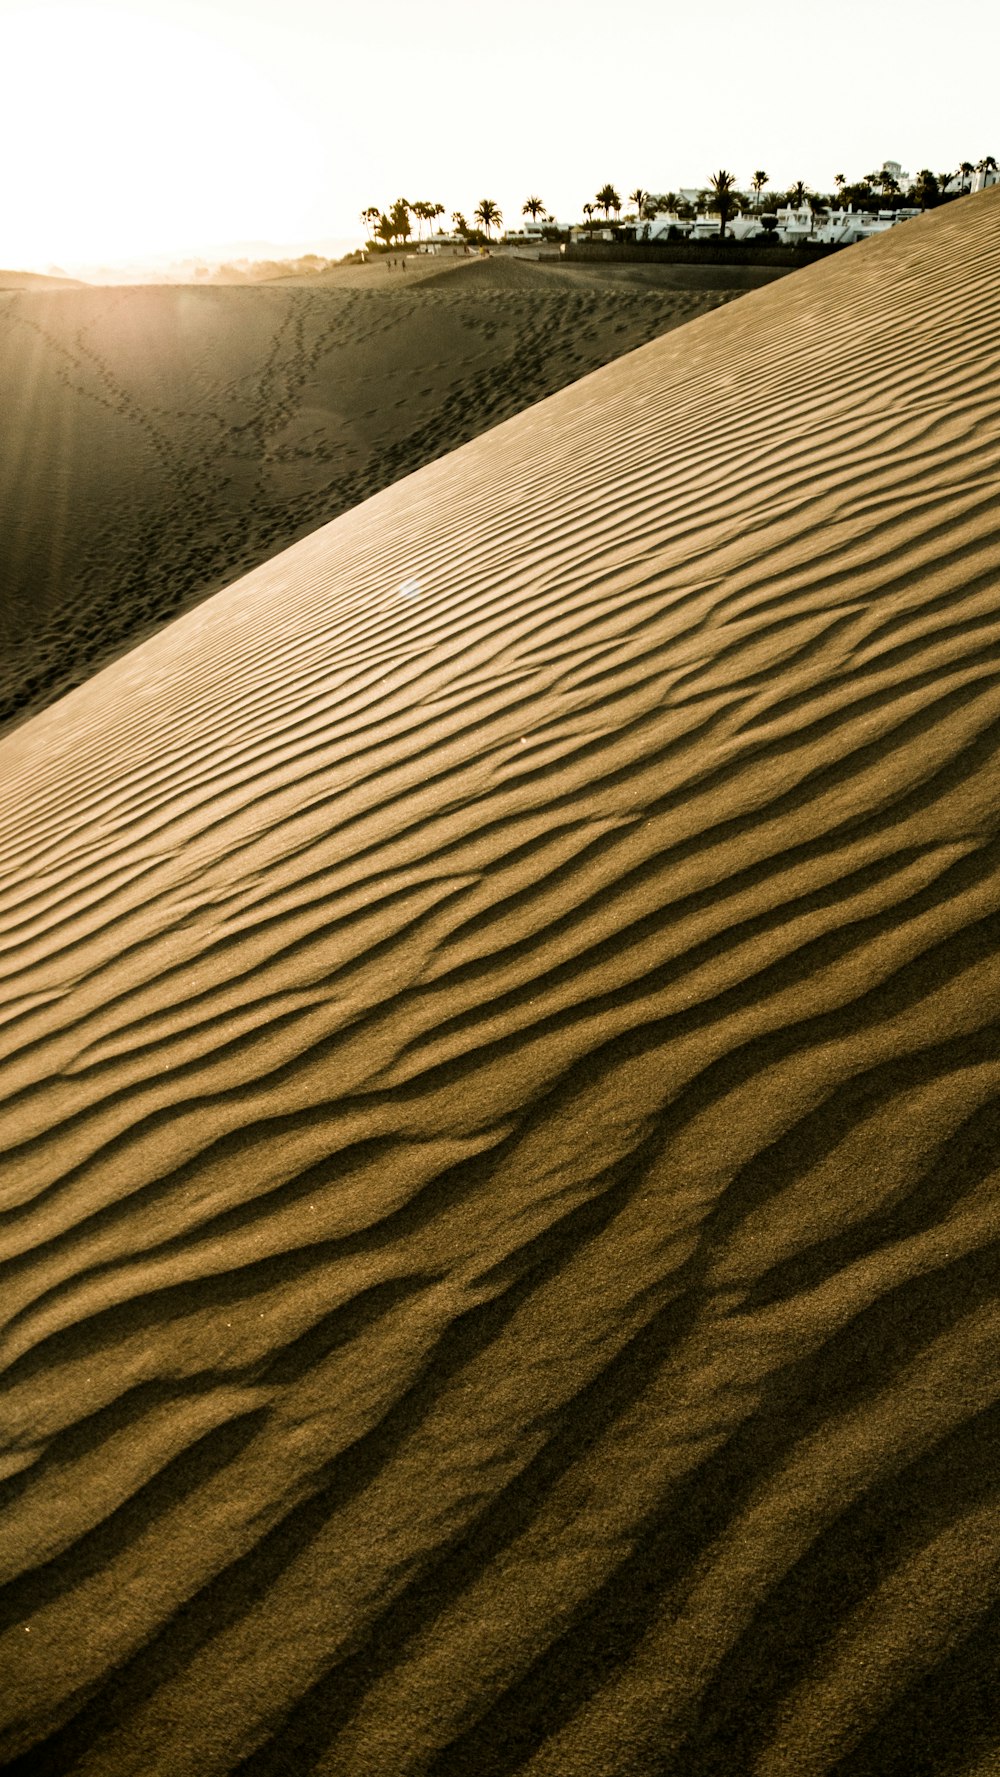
x=500, y=1065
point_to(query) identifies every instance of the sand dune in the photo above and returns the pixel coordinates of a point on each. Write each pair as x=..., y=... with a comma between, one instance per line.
x=159, y=441
x=30, y=280
x=501, y=1060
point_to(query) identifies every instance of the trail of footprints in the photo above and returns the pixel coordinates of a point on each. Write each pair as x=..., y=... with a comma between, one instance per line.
x=163, y=547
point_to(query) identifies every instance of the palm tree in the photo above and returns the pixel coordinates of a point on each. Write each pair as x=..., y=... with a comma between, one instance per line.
x=422, y=212
x=588, y=211
x=871, y=183
x=370, y=218
x=797, y=194
x=533, y=207
x=966, y=169
x=399, y=216
x=487, y=215
x=723, y=186
x=436, y=210
x=607, y=199
x=638, y=198
x=840, y=182
x=758, y=183
x=459, y=223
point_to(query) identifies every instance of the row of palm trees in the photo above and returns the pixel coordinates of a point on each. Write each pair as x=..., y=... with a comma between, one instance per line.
x=722, y=186
x=393, y=226
x=927, y=188
x=724, y=198
x=722, y=194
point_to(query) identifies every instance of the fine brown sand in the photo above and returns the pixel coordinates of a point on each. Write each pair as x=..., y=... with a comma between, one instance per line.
x=501, y=1059
x=157, y=442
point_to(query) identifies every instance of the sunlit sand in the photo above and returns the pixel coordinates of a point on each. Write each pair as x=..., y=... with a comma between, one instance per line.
x=500, y=1129
x=160, y=441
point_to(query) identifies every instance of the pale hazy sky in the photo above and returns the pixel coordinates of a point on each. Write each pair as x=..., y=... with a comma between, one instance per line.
x=142, y=126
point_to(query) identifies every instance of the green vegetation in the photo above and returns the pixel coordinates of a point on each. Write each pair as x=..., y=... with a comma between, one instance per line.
x=607, y=199
x=487, y=215
x=722, y=197
x=726, y=197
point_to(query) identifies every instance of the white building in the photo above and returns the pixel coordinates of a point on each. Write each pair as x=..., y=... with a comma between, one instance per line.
x=705, y=227
x=532, y=233
x=599, y=232
x=792, y=224
x=658, y=227
x=977, y=180
x=796, y=223
x=836, y=228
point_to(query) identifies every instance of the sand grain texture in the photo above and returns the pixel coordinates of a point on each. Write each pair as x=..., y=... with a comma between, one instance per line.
x=500, y=1097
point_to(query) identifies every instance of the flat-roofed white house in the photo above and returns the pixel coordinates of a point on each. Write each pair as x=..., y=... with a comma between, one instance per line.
x=978, y=179
x=796, y=222
x=531, y=233
x=657, y=228
x=705, y=226
x=438, y=243
x=600, y=232
x=842, y=228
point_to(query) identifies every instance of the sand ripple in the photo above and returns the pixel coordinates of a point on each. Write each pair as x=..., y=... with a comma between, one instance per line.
x=159, y=442
x=499, y=1219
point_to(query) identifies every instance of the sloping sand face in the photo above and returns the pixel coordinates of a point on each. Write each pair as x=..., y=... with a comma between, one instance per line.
x=160, y=442
x=501, y=1096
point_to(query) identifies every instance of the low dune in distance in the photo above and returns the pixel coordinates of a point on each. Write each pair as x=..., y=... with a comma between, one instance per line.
x=31, y=280
x=159, y=441
x=501, y=1050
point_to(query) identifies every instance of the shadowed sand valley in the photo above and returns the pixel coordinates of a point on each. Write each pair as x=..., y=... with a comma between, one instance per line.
x=501, y=1049
x=158, y=441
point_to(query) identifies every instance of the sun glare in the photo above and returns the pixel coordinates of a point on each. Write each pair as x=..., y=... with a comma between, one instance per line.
x=148, y=129
x=132, y=135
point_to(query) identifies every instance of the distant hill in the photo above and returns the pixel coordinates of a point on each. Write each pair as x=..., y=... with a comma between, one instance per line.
x=31, y=280
x=263, y=271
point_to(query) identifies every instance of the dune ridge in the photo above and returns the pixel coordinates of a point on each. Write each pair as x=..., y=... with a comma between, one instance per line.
x=500, y=1067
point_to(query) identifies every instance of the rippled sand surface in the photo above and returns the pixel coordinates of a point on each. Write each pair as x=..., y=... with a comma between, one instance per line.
x=501, y=1233
x=155, y=443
